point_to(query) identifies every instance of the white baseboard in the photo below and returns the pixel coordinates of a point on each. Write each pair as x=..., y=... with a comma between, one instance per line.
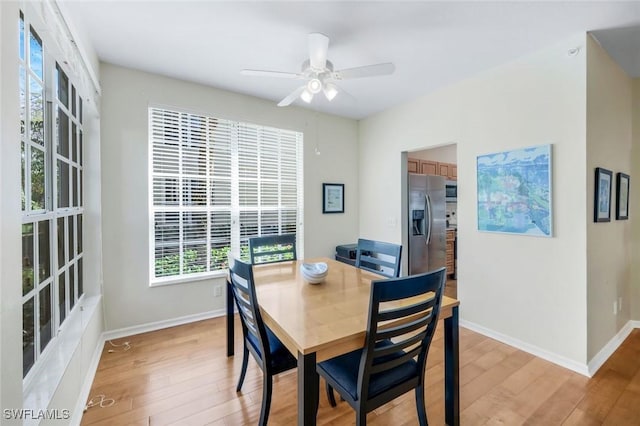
x=527, y=347
x=76, y=418
x=608, y=349
x=159, y=325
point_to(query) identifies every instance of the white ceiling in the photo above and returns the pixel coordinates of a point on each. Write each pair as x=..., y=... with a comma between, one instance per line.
x=432, y=44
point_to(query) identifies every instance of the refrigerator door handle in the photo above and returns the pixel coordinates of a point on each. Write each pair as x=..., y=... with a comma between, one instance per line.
x=427, y=202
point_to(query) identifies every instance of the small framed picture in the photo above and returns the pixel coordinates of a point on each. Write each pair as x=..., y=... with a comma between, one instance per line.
x=602, y=196
x=622, y=196
x=332, y=198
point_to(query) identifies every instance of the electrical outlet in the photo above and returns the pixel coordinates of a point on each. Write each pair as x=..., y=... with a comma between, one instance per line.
x=217, y=291
x=615, y=307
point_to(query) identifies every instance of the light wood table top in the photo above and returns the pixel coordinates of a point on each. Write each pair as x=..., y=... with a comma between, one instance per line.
x=329, y=318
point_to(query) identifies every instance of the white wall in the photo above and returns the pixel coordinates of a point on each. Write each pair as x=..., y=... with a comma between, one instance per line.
x=10, y=216
x=609, y=102
x=634, y=204
x=528, y=289
x=126, y=96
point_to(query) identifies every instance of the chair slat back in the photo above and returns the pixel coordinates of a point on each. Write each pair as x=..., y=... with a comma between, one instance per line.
x=402, y=330
x=244, y=293
x=272, y=248
x=379, y=257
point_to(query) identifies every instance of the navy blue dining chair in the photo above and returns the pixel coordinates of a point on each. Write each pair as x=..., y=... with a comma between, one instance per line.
x=272, y=248
x=379, y=257
x=397, y=342
x=269, y=352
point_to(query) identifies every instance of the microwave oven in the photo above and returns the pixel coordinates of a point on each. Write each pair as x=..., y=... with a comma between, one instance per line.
x=451, y=191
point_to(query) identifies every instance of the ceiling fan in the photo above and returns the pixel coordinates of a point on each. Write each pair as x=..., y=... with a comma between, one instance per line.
x=319, y=73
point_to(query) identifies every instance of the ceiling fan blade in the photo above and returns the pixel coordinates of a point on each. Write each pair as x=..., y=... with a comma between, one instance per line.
x=364, y=71
x=291, y=97
x=265, y=73
x=318, y=46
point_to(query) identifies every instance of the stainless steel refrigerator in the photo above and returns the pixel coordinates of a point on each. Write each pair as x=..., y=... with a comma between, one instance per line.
x=427, y=223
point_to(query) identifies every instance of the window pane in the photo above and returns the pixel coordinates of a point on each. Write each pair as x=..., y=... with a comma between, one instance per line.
x=23, y=100
x=80, y=202
x=63, y=86
x=46, y=323
x=73, y=100
x=195, y=258
x=28, y=336
x=28, y=276
x=23, y=176
x=44, y=249
x=80, y=147
x=35, y=53
x=165, y=191
x=72, y=286
x=80, y=278
x=21, y=35
x=62, y=258
x=63, y=184
x=269, y=224
x=36, y=111
x=63, y=134
x=289, y=220
x=62, y=296
x=220, y=239
x=74, y=186
x=80, y=108
x=37, y=179
x=167, y=237
x=221, y=193
x=72, y=245
x=248, y=193
x=194, y=192
x=195, y=242
x=248, y=229
x=79, y=234
x=74, y=142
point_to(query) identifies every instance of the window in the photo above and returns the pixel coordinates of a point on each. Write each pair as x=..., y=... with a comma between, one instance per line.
x=216, y=183
x=51, y=179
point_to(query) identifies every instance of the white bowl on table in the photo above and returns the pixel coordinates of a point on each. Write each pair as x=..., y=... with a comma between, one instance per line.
x=314, y=273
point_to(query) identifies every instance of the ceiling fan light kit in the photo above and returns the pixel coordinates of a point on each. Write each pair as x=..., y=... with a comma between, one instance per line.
x=319, y=73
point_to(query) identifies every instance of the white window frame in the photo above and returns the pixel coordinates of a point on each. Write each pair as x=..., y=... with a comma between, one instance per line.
x=234, y=210
x=51, y=212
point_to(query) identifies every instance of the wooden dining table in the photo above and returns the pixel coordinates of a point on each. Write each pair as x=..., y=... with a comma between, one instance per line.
x=319, y=321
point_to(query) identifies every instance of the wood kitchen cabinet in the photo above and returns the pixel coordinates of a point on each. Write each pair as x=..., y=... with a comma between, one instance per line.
x=444, y=169
x=428, y=167
x=453, y=172
x=450, y=260
x=413, y=165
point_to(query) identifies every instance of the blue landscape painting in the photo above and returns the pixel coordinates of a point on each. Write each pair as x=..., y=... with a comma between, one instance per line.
x=514, y=191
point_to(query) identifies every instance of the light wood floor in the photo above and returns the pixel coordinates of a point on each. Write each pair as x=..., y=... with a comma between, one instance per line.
x=182, y=376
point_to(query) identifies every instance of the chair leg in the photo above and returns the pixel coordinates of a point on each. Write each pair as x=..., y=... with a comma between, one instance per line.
x=422, y=411
x=330, y=396
x=267, y=387
x=361, y=418
x=243, y=372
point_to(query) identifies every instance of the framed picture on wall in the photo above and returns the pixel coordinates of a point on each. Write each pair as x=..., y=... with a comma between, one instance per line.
x=622, y=196
x=602, y=196
x=514, y=191
x=332, y=198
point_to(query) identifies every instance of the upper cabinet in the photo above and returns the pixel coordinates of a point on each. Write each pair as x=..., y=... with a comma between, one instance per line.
x=413, y=165
x=428, y=167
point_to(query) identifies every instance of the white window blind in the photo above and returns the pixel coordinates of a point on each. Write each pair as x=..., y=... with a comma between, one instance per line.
x=215, y=184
